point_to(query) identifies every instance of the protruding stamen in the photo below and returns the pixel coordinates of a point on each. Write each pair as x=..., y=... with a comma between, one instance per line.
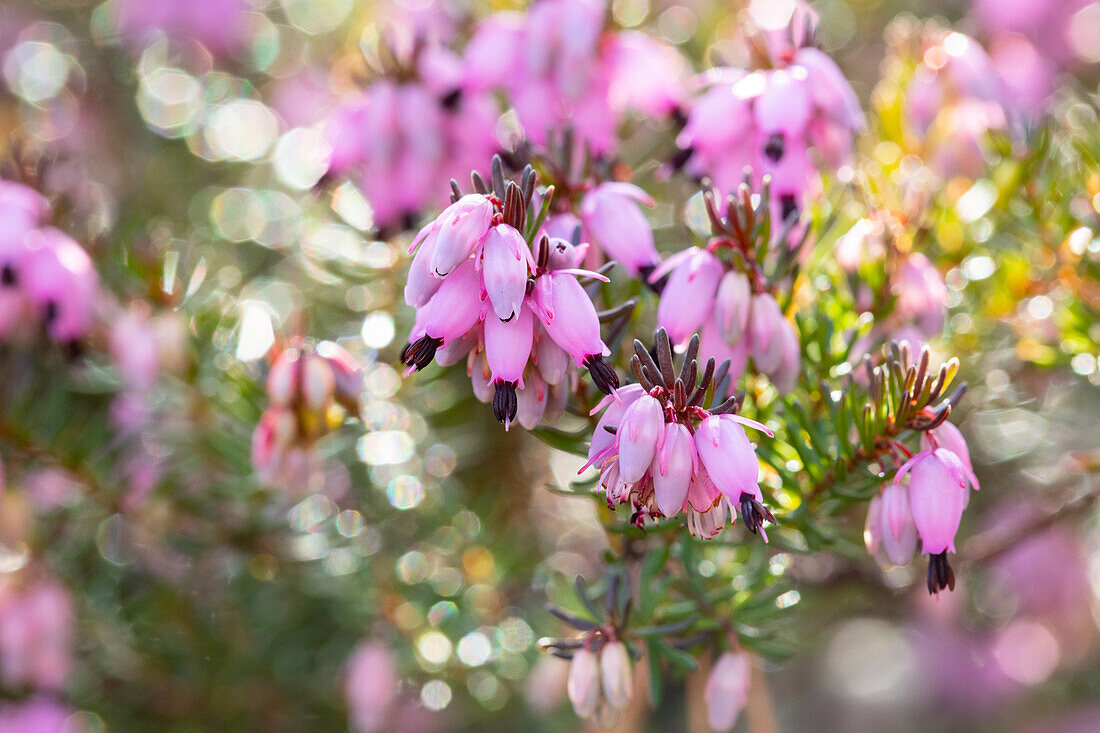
x=420, y=353
x=505, y=402
x=603, y=376
x=753, y=513
x=940, y=574
x=788, y=208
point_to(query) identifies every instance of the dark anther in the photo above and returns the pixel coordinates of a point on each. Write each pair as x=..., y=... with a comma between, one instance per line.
x=408, y=219
x=788, y=207
x=679, y=117
x=451, y=100
x=645, y=271
x=680, y=159
x=74, y=350
x=420, y=352
x=51, y=311
x=753, y=513
x=603, y=376
x=940, y=574
x=773, y=148
x=505, y=402
x=8, y=277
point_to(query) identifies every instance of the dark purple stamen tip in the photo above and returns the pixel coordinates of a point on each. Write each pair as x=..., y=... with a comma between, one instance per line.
x=788, y=207
x=420, y=353
x=603, y=376
x=505, y=402
x=774, y=147
x=753, y=513
x=657, y=287
x=8, y=278
x=940, y=574
x=451, y=100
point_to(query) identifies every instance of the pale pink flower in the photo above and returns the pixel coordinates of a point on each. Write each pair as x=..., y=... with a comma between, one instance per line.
x=727, y=690
x=688, y=295
x=618, y=227
x=60, y=280
x=617, y=674
x=370, y=687
x=583, y=685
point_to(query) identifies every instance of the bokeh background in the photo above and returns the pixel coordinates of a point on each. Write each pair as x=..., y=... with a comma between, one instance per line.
x=182, y=143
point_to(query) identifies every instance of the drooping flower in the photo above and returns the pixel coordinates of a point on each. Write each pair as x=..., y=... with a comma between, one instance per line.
x=937, y=497
x=584, y=682
x=727, y=690
x=617, y=674
x=370, y=686
x=513, y=314
x=770, y=119
x=660, y=450
x=617, y=226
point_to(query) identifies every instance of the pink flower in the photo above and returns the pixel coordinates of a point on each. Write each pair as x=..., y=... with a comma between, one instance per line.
x=688, y=296
x=60, y=279
x=641, y=427
x=676, y=461
x=422, y=282
x=731, y=306
x=507, y=349
x=133, y=347
x=218, y=25
x=731, y=463
x=36, y=625
x=727, y=690
x=617, y=673
x=567, y=314
x=921, y=294
x=766, y=322
x=505, y=262
x=619, y=228
x=950, y=438
x=937, y=497
x=37, y=715
x=583, y=685
x=370, y=687
x=899, y=534
x=461, y=227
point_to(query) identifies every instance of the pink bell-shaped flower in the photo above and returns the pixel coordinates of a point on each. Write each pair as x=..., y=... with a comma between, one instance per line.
x=727, y=690
x=637, y=436
x=618, y=227
x=937, y=497
x=949, y=437
x=730, y=460
x=689, y=295
x=61, y=280
x=370, y=687
x=571, y=321
x=504, y=270
x=765, y=323
x=422, y=282
x=617, y=673
x=673, y=466
x=462, y=226
x=583, y=683
x=899, y=534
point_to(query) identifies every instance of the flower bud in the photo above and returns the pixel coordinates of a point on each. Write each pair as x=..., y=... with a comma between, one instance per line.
x=727, y=690
x=455, y=308
x=282, y=379
x=611, y=418
x=532, y=401
x=618, y=226
x=583, y=685
x=462, y=226
x=731, y=306
x=673, y=466
x=637, y=438
x=765, y=320
x=617, y=672
x=318, y=383
x=689, y=295
x=422, y=282
x=899, y=535
x=504, y=270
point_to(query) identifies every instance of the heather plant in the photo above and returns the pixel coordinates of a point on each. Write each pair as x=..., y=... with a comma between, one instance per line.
x=786, y=341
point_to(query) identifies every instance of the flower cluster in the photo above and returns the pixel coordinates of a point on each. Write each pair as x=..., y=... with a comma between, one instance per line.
x=560, y=68
x=46, y=278
x=659, y=449
x=519, y=317
x=309, y=391
x=772, y=118
x=954, y=99
x=400, y=166
x=926, y=499
x=601, y=678
x=722, y=292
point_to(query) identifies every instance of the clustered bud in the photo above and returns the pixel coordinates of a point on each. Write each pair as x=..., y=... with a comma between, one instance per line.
x=520, y=318
x=727, y=690
x=659, y=449
x=601, y=679
x=310, y=391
